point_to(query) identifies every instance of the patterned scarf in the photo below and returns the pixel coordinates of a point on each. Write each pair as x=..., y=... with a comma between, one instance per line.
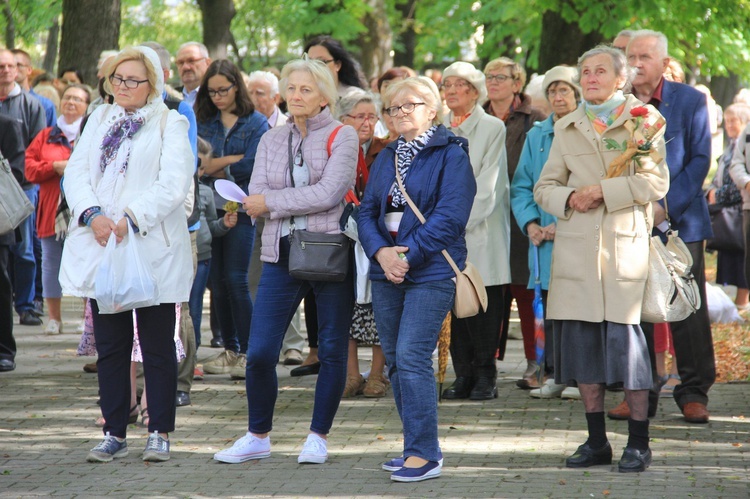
x=406, y=152
x=120, y=132
x=604, y=114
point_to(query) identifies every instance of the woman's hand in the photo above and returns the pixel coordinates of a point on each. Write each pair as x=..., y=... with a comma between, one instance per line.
x=59, y=166
x=711, y=196
x=659, y=214
x=549, y=232
x=230, y=219
x=586, y=198
x=255, y=205
x=121, y=230
x=393, y=265
x=103, y=227
x=536, y=233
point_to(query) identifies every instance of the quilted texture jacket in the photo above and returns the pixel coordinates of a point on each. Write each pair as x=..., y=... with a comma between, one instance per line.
x=330, y=177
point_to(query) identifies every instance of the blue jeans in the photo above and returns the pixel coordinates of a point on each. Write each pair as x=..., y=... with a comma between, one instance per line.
x=230, y=263
x=196, y=297
x=278, y=297
x=408, y=317
x=24, y=261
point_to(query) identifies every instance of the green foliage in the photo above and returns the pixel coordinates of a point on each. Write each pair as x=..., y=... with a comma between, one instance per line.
x=32, y=19
x=168, y=23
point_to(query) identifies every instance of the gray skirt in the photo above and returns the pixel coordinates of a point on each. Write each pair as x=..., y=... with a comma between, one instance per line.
x=601, y=352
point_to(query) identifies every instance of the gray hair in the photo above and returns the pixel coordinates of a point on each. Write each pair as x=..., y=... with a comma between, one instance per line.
x=320, y=74
x=619, y=62
x=626, y=32
x=662, y=44
x=265, y=76
x=742, y=111
x=165, y=59
x=201, y=48
x=354, y=99
x=422, y=87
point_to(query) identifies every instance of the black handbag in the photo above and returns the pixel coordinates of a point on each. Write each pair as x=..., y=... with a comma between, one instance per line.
x=726, y=222
x=316, y=256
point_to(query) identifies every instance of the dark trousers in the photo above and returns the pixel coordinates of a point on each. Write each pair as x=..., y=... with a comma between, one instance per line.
x=7, y=342
x=474, y=340
x=311, y=319
x=114, y=343
x=693, y=343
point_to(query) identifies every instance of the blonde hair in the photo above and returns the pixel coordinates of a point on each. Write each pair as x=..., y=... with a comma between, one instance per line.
x=320, y=74
x=421, y=86
x=131, y=54
x=516, y=70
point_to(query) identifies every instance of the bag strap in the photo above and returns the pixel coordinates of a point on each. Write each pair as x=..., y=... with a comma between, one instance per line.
x=420, y=216
x=351, y=196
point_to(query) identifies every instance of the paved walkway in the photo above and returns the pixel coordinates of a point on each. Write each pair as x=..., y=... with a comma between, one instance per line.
x=512, y=446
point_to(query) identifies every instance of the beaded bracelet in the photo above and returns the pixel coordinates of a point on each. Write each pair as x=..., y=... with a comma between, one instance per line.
x=89, y=215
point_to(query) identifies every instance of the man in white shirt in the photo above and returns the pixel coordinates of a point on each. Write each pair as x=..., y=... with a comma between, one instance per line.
x=192, y=62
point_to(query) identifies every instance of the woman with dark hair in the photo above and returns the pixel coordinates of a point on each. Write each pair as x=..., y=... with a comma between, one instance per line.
x=344, y=68
x=228, y=121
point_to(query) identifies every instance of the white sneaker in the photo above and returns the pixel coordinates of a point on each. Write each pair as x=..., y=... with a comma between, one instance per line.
x=572, y=393
x=53, y=327
x=245, y=449
x=548, y=390
x=314, y=451
x=237, y=371
x=220, y=364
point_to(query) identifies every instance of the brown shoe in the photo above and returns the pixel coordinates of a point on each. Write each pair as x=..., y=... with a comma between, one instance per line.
x=375, y=387
x=695, y=412
x=528, y=383
x=354, y=386
x=621, y=412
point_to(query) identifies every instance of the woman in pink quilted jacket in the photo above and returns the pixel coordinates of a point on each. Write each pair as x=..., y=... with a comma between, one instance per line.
x=296, y=181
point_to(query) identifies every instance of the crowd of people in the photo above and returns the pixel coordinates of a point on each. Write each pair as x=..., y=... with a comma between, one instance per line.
x=419, y=172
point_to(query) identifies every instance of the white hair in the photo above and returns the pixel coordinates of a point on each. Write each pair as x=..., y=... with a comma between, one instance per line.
x=267, y=77
x=662, y=44
x=201, y=48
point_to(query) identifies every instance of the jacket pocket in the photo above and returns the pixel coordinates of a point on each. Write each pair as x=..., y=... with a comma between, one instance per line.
x=631, y=256
x=569, y=256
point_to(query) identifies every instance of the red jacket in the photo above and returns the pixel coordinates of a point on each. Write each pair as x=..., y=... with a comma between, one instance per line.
x=48, y=146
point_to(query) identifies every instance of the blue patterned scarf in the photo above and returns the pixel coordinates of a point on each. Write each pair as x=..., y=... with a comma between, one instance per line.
x=406, y=152
x=119, y=132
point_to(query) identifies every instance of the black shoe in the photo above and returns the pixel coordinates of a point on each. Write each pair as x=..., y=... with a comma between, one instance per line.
x=484, y=389
x=7, y=365
x=307, y=370
x=217, y=342
x=460, y=389
x=634, y=460
x=585, y=456
x=182, y=399
x=27, y=318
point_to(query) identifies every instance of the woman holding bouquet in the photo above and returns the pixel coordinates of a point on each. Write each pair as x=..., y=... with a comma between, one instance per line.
x=600, y=188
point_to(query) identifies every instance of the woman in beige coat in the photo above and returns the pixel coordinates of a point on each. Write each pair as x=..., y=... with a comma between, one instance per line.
x=600, y=258
x=474, y=340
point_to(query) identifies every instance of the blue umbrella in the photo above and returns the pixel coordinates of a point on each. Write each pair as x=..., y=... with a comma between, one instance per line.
x=538, y=307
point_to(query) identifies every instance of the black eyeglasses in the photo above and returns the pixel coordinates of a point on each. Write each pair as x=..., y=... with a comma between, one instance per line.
x=407, y=108
x=325, y=61
x=131, y=84
x=221, y=92
x=497, y=78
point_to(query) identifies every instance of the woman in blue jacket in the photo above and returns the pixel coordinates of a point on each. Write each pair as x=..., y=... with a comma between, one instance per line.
x=564, y=94
x=228, y=121
x=412, y=286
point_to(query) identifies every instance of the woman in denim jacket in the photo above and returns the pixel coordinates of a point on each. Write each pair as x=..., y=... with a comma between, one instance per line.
x=228, y=121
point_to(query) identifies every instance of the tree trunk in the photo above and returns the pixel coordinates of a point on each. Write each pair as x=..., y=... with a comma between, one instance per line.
x=563, y=42
x=10, y=25
x=377, y=41
x=217, y=20
x=89, y=26
x=724, y=88
x=50, y=53
x=407, y=36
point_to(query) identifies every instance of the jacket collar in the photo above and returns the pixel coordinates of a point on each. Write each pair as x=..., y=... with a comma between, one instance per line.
x=320, y=120
x=441, y=137
x=56, y=136
x=579, y=119
x=469, y=124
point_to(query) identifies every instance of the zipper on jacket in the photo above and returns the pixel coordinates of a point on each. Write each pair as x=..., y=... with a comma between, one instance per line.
x=164, y=233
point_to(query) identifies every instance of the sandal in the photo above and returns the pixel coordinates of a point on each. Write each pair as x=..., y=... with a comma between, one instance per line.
x=668, y=389
x=145, y=419
x=132, y=417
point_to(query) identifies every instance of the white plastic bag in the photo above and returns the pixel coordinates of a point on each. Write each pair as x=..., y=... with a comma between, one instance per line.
x=364, y=285
x=721, y=308
x=125, y=280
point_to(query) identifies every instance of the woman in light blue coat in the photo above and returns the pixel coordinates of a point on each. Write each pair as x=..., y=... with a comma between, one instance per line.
x=563, y=95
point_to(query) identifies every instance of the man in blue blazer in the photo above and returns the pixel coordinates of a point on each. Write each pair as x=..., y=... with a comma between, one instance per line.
x=688, y=157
